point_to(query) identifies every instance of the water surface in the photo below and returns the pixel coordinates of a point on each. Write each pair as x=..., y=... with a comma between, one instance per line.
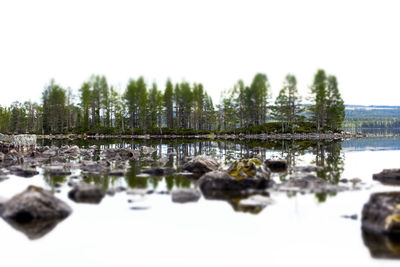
x=151, y=230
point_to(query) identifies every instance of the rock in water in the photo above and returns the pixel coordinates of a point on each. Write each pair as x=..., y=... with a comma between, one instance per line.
x=276, y=165
x=201, y=164
x=34, y=203
x=221, y=185
x=185, y=195
x=388, y=176
x=86, y=193
x=381, y=214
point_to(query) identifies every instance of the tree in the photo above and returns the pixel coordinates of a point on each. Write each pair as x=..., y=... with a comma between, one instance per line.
x=168, y=101
x=335, y=105
x=318, y=109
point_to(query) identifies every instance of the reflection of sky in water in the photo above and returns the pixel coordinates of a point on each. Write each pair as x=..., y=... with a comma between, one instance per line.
x=296, y=230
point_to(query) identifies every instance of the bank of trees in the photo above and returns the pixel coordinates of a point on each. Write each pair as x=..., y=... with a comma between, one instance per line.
x=97, y=107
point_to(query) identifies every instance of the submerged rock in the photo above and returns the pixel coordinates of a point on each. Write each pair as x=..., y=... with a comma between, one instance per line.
x=276, y=165
x=34, y=203
x=388, y=176
x=185, y=195
x=159, y=171
x=201, y=164
x=381, y=213
x=86, y=193
x=23, y=171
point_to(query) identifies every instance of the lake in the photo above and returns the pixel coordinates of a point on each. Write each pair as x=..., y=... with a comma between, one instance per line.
x=151, y=230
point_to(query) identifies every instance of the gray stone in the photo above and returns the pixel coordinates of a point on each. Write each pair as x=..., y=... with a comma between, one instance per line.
x=23, y=171
x=34, y=203
x=185, y=195
x=86, y=193
x=307, y=168
x=201, y=164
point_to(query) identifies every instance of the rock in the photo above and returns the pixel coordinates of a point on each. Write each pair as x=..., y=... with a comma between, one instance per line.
x=50, y=152
x=351, y=217
x=34, y=203
x=201, y=164
x=160, y=171
x=248, y=168
x=220, y=185
x=57, y=170
x=96, y=167
x=276, y=165
x=86, y=193
x=185, y=195
x=120, y=154
x=23, y=171
x=13, y=157
x=388, y=176
x=309, y=184
x=381, y=214
x=71, y=150
x=1, y=156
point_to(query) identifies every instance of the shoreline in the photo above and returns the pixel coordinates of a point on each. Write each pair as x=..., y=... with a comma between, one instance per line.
x=264, y=136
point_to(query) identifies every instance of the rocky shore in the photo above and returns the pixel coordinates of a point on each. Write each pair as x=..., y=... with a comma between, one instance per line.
x=241, y=136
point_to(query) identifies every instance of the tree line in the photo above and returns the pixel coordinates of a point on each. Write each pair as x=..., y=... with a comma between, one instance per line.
x=97, y=107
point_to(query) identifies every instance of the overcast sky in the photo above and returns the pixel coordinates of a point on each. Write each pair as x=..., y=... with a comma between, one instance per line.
x=212, y=42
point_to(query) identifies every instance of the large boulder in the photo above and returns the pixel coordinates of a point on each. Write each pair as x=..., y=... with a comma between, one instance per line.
x=86, y=193
x=249, y=168
x=185, y=195
x=221, y=185
x=201, y=164
x=57, y=170
x=381, y=214
x=388, y=176
x=34, y=203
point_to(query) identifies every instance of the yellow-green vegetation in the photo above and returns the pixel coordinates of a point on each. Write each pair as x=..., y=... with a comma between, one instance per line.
x=243, y=168
x=395, y=218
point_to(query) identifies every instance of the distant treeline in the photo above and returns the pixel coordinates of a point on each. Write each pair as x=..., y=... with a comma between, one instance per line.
x=181, y=108
x=373, y=123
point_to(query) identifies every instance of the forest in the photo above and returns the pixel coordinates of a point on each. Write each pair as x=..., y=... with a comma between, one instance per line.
x=180, y=108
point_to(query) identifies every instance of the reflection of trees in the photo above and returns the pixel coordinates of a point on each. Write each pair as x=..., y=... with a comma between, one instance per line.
x=53, y=180
x=330, y=158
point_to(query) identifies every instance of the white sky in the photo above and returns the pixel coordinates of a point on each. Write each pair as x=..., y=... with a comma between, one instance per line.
x=212, y=42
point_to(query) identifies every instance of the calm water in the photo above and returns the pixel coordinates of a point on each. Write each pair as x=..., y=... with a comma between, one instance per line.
x=303, y=230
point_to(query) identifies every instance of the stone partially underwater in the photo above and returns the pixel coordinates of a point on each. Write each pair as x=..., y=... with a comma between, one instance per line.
x=35, y=211
x=381, y=214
